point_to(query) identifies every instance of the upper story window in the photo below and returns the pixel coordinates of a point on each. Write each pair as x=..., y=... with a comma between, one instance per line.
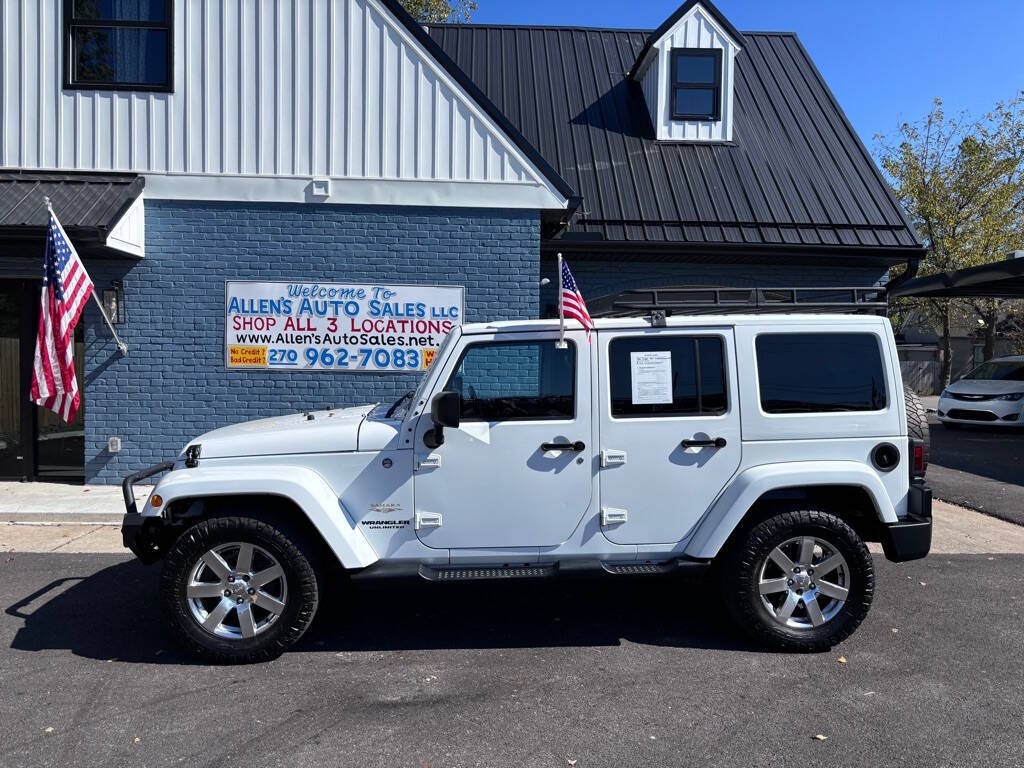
x=119, y=44
x=696, y=78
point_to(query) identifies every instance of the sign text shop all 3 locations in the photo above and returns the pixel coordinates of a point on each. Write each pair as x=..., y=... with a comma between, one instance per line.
x=337, y=326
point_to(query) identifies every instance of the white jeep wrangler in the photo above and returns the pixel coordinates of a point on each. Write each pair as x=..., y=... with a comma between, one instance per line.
x=770, y=447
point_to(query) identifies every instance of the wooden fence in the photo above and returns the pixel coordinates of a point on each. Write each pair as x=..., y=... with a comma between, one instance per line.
x=922, y=376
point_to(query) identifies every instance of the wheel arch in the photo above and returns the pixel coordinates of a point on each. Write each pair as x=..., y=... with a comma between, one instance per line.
x=851, y=492
x=297, y=496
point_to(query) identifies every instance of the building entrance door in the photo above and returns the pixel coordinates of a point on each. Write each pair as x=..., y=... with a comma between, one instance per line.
x=34, y=442
x=16, y=454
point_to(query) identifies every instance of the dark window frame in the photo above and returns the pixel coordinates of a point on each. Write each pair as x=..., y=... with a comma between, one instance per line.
x=701, y=414
x=71, y=24
x=825, y=411
x=519, y=342
x=716, y=86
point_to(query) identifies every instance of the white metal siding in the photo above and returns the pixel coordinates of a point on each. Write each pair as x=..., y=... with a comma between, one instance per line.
x=695, y=30
x=280, y=88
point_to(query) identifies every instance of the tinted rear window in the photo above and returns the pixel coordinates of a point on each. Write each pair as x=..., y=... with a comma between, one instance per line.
x=697, y=365
x=820, y=372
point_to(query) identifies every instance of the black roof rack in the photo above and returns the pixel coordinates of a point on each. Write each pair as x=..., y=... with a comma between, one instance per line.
x=687, y=300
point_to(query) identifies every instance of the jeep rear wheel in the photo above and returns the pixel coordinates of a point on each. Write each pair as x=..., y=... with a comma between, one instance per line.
x=799, y=581
x=236, y=590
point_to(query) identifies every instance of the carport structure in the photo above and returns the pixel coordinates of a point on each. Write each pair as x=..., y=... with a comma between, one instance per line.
x=999, y=280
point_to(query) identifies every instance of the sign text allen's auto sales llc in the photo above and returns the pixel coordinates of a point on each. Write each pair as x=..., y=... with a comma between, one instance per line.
x=337, y=326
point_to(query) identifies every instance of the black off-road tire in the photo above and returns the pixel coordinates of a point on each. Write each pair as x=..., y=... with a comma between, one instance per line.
x=741, y=568
x=917, y=421
x=290, y=552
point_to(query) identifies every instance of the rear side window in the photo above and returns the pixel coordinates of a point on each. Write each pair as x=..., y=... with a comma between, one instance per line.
x=666, y=375
x=820, y=372
x=512, y=381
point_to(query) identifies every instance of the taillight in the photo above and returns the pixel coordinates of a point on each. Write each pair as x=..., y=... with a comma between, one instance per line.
x=917, y=465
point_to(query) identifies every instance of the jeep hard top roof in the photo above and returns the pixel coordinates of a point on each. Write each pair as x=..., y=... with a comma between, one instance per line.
x=683, y=321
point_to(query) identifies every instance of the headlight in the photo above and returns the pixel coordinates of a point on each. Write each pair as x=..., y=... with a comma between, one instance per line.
x=945, y=393
x=1012, y=396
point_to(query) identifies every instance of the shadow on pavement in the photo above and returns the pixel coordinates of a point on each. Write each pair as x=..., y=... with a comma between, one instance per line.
x=992, y=452
x=114, y=614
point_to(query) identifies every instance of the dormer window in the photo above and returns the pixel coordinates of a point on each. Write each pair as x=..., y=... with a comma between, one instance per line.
x=696, y=77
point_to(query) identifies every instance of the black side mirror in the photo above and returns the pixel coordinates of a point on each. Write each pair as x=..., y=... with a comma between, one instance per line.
x=445, y=410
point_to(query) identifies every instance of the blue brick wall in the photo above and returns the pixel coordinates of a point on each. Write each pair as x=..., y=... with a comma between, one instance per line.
x=173, y=385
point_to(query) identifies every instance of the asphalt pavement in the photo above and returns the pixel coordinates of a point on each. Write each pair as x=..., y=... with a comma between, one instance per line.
x=979, y=468
x=610, y=673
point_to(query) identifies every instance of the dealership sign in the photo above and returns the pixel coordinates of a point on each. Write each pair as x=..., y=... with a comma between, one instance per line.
x=337, y=326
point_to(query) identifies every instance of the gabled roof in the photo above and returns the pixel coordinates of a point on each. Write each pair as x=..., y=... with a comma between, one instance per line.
x=795, y=178
x=475, y=93
x=88, y=205
x=672, y=20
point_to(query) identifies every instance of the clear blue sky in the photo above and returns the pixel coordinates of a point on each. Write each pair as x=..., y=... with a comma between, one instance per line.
x=885, y=61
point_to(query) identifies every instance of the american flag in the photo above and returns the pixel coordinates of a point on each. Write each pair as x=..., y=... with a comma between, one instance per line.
x=66, y=288
x=573, y=304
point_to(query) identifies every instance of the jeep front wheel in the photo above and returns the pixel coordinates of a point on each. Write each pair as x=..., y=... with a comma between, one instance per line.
x=799, y=581
x=236, y=590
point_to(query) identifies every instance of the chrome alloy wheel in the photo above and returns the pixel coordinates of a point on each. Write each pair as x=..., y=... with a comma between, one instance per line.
x=236, y=590
x=804, y=582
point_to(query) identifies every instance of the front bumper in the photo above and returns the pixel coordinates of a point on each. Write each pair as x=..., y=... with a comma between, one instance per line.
x=999, y=413
x=911, y=538
x=142, y=535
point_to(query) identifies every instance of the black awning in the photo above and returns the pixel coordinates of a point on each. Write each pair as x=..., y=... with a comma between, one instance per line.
x=88, y=205
x=999, y=280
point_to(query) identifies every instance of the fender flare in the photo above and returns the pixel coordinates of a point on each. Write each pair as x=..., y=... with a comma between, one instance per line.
x=730, y=508
x=304, y=487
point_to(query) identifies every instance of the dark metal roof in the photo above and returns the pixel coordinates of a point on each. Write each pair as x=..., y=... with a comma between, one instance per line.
x=999, y=280
x=795, y=177
x=671, y=21
x=88, y=205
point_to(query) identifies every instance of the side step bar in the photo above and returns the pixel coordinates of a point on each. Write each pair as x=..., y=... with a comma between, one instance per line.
x=471, y=573
x=688, y=568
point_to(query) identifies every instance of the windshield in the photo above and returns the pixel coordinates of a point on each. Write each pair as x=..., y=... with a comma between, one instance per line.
x=442, y=352
x=999, y=370
x=400, y=407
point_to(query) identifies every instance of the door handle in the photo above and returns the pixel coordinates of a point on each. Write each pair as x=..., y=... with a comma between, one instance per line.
x=576, y=447
x=711, y=442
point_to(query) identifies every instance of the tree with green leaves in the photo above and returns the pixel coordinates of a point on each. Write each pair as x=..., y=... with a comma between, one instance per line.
x=961, y=180
x=439, y=11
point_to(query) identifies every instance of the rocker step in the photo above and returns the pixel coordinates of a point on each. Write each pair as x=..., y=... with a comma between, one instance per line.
x=687, y=568
x=634, y=569
x=463, y=573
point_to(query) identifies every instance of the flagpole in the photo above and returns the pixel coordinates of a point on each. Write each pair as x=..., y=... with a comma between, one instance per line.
x=561, y=309
x=121, y=346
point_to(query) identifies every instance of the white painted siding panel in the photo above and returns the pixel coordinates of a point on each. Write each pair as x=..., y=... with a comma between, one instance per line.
x=695, y=30
x=283, y=88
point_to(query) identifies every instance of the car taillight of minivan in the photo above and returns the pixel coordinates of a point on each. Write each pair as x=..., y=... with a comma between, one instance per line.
x=917, y=460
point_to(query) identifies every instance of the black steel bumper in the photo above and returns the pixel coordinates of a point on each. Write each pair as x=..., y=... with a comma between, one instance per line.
x=911, y=538
x=142, y=535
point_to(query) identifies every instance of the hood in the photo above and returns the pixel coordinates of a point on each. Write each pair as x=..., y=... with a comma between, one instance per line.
x=985, y=386
x=312, y=432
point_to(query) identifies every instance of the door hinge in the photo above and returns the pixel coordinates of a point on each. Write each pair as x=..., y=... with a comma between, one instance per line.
x=427, y=520
x=433, y=461
x=612, y=458
x=613, y=516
